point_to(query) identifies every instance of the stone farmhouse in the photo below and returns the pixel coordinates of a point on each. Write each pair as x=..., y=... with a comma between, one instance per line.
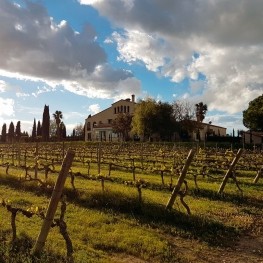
x=99, y=126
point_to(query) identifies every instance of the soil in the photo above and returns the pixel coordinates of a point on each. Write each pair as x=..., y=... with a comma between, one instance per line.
x=249, y=249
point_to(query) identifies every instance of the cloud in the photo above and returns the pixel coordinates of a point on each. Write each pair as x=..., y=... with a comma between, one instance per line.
x=33, y=46
x=2, y=86
x=41, y=90
x=226, y=120
x=7, y=107
x=218, y=42
x=94, y=108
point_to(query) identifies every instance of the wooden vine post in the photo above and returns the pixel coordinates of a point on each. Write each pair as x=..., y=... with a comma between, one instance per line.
x=36, y=160
x=55, y=198
x=99, y=152
x=259, y=174
x=19, y=154
x=230, y=170
x=180, y=180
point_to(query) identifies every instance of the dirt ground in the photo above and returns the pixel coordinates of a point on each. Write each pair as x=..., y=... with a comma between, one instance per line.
x=249, y=249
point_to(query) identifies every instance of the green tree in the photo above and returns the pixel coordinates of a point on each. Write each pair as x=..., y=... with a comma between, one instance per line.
x=11, y=132
x=34, y=130
x=164, y=123
x=58, y=116
x=3, y=137
x=200, y=111
x=143, y=118
x=62, y=130
x=52, y=128
x=18, y=131
x=153, y=119
x=253, y=115
x=122, y=125
x=39, y=129
x=45, y=124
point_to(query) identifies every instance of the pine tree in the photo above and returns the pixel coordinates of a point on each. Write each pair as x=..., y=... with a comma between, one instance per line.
x=45, y=124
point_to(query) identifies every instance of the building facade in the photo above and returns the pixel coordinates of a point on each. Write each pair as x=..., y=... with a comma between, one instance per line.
x=252, y=137
x=208, y=129
x=99, y=126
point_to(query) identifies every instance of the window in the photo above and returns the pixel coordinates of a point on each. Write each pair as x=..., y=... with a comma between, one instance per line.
x=109, y=121
x=128, y=108
x=115, y=110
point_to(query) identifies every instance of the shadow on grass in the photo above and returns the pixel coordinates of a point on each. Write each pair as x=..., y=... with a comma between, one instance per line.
x=238, y=198
x=20, y=249
x=151, y=214
x=170, y=222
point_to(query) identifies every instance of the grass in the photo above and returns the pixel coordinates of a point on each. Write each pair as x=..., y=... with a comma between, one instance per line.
x=114, y=226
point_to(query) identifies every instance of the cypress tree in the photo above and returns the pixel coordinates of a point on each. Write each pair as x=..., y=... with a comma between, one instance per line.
x=34, y=131
x=39, y=129
x=63, y=130
x=3, y=137
x=45, y=124
x=11, y=132
x=18, y=131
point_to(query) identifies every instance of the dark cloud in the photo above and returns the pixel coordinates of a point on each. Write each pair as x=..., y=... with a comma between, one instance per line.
x=33, y=46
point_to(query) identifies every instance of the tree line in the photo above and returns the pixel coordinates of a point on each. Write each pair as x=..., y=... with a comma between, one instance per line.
x=161, y=120
x=49, y=129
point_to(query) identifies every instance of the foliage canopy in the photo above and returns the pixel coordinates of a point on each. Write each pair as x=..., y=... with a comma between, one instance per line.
x=153, y=118
x=253, y=115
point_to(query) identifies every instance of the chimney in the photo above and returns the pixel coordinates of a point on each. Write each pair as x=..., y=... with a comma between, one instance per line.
x=133, y=97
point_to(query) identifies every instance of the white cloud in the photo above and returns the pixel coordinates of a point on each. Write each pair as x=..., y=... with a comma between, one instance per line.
x=7, y=107
x=220, y=40
x=21, y=95
x=94, y=108
x=43, y=89
x=33, y=46
x=2, y=86
x=72, y=115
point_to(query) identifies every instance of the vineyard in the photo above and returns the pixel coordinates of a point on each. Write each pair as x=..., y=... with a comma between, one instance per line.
x=136, y=202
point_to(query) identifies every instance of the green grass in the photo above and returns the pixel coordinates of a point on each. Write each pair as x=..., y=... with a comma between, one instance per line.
x=113, y=225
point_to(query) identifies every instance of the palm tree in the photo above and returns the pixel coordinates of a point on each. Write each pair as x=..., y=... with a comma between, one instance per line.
x=200, y=111
x=58, y=117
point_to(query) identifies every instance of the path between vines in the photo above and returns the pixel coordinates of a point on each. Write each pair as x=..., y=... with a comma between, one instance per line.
x=249, y=249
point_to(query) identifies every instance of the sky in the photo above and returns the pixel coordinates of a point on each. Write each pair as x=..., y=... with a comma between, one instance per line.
x=80, y=56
